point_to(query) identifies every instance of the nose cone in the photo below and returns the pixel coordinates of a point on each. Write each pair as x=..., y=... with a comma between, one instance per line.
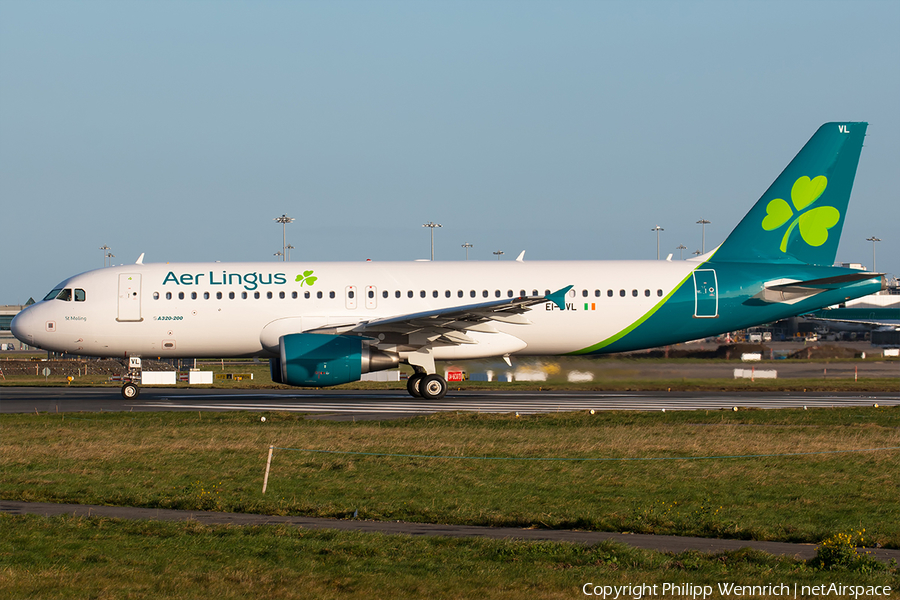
x=23, y=326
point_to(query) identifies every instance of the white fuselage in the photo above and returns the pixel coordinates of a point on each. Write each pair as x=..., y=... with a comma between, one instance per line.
x=241, y=309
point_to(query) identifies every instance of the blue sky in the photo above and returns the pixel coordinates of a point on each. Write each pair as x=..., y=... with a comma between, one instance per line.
x=566, y=129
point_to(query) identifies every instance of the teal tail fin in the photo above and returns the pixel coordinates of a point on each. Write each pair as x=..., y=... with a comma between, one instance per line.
x=801, y=215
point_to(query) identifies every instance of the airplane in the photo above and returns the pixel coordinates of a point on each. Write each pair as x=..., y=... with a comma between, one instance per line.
x=326, y=323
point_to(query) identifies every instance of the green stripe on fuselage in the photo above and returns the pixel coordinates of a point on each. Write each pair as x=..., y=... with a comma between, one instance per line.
x=610, y=340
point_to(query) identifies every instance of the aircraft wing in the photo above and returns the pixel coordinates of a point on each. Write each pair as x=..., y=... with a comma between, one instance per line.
x=888, y=318
x=447, y=326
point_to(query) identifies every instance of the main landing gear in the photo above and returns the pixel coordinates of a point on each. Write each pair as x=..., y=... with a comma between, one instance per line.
x=428, y=387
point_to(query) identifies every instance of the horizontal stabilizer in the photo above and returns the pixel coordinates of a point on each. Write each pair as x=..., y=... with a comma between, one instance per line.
x=790, y=291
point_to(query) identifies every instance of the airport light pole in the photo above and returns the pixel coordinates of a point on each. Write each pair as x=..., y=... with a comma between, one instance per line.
x=681, y=248
x=498, y=254
x=284, y=220
x=105, y=249
x=289, y=248
x=657, y=229
x=703, y=223
x=467, y=245
x=281, y=254
x=873, y=239
x=697, y=253
x=109, y=256
x=431, y=226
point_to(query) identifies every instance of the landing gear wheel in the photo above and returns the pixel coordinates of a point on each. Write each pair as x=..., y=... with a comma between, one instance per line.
x=130, y=391
x=433, y=387
x=413, y=385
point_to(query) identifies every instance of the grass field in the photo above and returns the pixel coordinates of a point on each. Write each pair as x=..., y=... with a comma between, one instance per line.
x=790, y=485
x=71, y=558
x=786, y=478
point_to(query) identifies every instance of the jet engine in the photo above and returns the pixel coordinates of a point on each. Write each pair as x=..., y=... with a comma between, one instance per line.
x=313, y=359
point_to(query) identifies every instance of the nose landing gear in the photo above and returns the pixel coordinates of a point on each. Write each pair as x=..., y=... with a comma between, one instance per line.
x=130, y=390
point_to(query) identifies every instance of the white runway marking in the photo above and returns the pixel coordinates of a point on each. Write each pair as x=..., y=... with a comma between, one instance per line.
x=496, y=403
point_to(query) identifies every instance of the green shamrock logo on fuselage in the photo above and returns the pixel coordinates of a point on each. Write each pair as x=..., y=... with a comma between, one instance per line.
x=306, y=277
x=814, y=223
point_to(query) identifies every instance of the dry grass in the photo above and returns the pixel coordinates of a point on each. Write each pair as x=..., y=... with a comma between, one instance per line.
x=191, y=460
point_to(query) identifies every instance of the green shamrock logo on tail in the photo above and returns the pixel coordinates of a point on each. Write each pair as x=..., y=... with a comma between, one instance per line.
x=814, y=223
x=306, y=277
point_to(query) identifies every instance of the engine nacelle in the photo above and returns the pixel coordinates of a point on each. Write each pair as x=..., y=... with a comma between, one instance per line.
x=313, y=359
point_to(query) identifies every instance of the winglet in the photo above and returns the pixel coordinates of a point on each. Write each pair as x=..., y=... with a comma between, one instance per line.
x=559, y=297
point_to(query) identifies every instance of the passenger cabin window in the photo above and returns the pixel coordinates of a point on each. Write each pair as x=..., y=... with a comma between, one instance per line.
x=218, y=295
x=181, y=295
x=622, y=293
x=647, y=293
x=206, y=295
x=634, y=293
x=193, y=295
x=156, y=295
x=306, y=295
x=331, y=295
x=659, y=293
x=609, y=293
x=319, y=295
x=168, y=296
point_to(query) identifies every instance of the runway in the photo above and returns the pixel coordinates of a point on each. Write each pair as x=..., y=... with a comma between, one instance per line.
x=392, y=404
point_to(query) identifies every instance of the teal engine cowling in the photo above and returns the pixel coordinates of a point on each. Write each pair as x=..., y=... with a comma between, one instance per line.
x=313, y=359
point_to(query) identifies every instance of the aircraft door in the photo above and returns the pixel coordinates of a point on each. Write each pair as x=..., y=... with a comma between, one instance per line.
x=706, y=294
x=350, y=296
x=129, y=297
x=371, y=297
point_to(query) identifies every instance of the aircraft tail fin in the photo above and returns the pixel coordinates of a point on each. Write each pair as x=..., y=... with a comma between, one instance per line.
x=800, y=217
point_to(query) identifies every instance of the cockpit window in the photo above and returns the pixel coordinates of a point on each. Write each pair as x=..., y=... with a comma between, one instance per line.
x=65, y=294
x=79, y=295
x=53, y=294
